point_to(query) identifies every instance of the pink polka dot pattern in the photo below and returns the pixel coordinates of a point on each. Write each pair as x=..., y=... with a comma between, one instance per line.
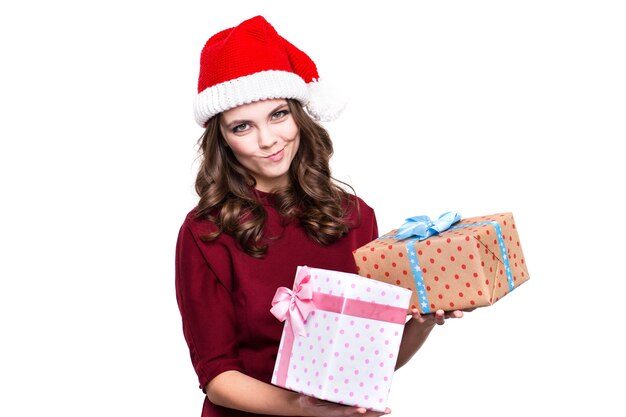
x=353, y=358
x=461, y=268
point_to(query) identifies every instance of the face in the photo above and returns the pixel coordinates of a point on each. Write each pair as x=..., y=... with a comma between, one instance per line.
x=264, y=138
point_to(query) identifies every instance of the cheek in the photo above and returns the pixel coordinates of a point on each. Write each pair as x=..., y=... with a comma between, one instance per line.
x=240, y=148
x=289, y=131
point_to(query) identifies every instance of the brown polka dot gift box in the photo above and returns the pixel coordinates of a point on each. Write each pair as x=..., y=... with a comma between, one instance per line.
x=448, y=263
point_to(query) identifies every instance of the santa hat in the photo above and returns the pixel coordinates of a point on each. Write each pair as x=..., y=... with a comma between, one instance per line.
x=252, y=62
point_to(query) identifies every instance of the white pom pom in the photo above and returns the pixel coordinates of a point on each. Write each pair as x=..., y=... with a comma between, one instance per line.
x=324, y=104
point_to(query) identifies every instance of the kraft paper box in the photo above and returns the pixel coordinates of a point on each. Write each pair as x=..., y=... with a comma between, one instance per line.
x=346, y=350
x=474, y=263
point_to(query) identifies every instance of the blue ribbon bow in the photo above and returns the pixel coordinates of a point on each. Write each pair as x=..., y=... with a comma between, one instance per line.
x=422, y=227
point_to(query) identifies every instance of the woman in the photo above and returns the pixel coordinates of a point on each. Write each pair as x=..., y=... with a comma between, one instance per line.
x=267, y=204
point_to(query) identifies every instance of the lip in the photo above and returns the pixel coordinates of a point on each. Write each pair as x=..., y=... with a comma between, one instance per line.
x=275, y=157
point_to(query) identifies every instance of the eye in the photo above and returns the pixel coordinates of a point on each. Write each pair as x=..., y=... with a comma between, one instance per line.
x=240, y=128
x=279, y=114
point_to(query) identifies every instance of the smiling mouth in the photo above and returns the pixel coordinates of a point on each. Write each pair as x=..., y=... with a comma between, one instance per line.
x=275, y=154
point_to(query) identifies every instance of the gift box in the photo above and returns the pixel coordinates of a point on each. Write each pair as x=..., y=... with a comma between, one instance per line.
x=474, y=263
x=341, y=336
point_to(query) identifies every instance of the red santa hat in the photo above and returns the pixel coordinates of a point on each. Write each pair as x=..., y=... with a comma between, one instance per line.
x=252, y=62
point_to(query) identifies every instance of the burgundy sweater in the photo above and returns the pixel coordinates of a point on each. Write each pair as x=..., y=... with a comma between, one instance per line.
x=225, y=296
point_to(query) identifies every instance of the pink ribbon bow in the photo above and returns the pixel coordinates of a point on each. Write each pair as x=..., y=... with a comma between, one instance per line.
x=297, y=304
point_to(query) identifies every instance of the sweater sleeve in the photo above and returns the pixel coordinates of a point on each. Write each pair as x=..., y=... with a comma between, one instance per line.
x=207, y=311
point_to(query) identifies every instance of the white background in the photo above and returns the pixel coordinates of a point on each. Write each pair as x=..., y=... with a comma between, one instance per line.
x=474, y=106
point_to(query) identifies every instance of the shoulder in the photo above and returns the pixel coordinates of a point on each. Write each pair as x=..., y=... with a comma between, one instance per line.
x=363, y=206
x=194, y=231
x=197, y=244
x=358, y=208
x=201, y=259
x=361, y=217
x=196, y=225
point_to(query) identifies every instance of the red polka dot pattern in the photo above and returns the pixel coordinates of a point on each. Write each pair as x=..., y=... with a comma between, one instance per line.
x=461, y=268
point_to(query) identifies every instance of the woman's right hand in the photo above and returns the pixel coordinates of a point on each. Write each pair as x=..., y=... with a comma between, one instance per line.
x=317, y=408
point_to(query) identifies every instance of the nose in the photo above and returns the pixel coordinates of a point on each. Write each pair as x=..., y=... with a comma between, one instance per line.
x=267, y=138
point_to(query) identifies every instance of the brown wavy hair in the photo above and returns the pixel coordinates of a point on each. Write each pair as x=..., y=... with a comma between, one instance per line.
x=314, y=198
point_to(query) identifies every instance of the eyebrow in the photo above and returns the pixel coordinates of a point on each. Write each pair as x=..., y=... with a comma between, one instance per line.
x=241, y=121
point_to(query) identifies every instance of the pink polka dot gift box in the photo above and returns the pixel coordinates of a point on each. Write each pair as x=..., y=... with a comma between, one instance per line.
x=448, y=263
x=341, y=336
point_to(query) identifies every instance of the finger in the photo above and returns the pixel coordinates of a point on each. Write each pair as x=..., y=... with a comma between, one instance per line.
x=378, y=413
x=417, y=316
x=456, y=314
x=366, y=413
x=440, y=317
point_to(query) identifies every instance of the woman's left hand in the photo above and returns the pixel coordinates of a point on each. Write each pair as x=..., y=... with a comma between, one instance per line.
x=417, y=329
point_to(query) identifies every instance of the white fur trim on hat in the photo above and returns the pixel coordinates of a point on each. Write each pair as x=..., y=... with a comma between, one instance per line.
x=247, y=89
x=324, y=103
